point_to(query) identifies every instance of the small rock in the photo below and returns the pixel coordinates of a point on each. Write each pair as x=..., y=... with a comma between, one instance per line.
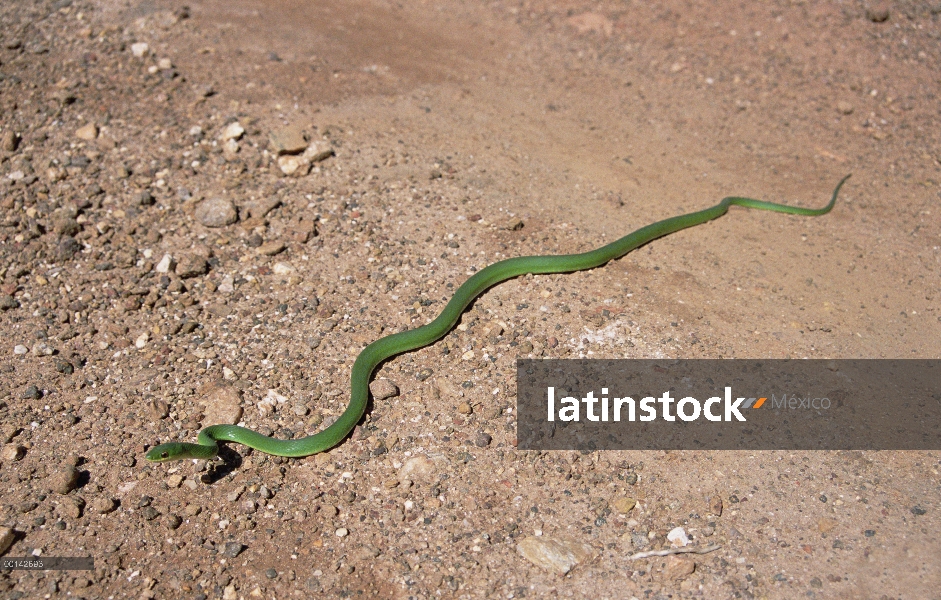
x=7, y=302
x=293, y=166
x=557, y=555
x=232, y=131
x=417, y=468
x=918, y=511
x=142, y=340
x=216, y=212
x=512, y=224
x=227, y=285
x=7, y=537
x=483, y=439
x=87, y=132
x=271, y=248
x=12, y=452
x=289, y=140
x=233, y=549
x=42, y=349
x=10, y=141
x=31, y=393
x=678, y=537
x=72, y=507
x=465, y=408
x=67, y=247
x=20, y=349
x=192, y=265
x=229, y=149
x=145, y=198
x=260, y=208
x=140, y=49
x=382, y=389
x=223, y=403
x=282, y=268
x=64, y=480
x=715, y=505
x=678, y=567
x=342, y=532
x=173, y=521
x=878, y=13
x=104, y=505
x=624, y=505
x=166, y=264
x=844, y=107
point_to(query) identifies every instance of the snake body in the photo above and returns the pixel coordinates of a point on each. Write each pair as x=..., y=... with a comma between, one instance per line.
x=392, y=345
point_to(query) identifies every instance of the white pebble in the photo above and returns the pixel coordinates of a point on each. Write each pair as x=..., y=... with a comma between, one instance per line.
x=20, y=349
x=165, y=264
x=140, y=49
x=232, y=131
x=342, y=532
x=142, y=340
x=677, y=537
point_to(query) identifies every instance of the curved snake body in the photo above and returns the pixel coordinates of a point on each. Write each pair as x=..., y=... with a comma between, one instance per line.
x=392, y=345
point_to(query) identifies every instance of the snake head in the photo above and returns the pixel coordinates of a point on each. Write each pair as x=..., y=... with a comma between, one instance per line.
x=167, y=452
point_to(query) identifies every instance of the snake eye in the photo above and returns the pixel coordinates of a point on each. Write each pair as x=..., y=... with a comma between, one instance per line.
x=164, y=455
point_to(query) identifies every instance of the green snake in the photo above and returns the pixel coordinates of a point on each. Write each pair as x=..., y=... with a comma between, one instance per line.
x=397, y=343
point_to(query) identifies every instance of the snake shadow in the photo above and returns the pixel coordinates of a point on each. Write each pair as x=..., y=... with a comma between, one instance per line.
x=228, y=461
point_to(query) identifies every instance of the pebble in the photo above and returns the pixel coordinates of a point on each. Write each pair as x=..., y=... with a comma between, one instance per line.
x=64, y=480
x=557, y=555
x=342, y=532
x=232, y=131
x=87, y=132
x=31, y=393
x=678, y=567
x=289, y=140
x=140, y=49
x=104, y=505
x=482, y=440
x=282, y=268
x=678, y=537
x=227, y=285
x=20, y=349
x=71, y=507
x=216, y=212
x=844, y=107
x=142, y=340
x=10, y=141
x=271, y=248
x=192, y=265
x=166, y=264
x=465, y=408
x=878, y=13
x=233, y=549
x=7, y=537
x=12, y=452
x=381, y=389
x=624, y=505
x=7, y=302
x=417, y=468
x=67, y=247
x=223, y=403
x=715, y=505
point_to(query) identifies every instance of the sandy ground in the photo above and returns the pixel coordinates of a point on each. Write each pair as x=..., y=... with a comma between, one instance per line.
x=462, y=133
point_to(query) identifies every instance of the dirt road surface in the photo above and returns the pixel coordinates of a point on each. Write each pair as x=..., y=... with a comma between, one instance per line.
x=207, y=210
